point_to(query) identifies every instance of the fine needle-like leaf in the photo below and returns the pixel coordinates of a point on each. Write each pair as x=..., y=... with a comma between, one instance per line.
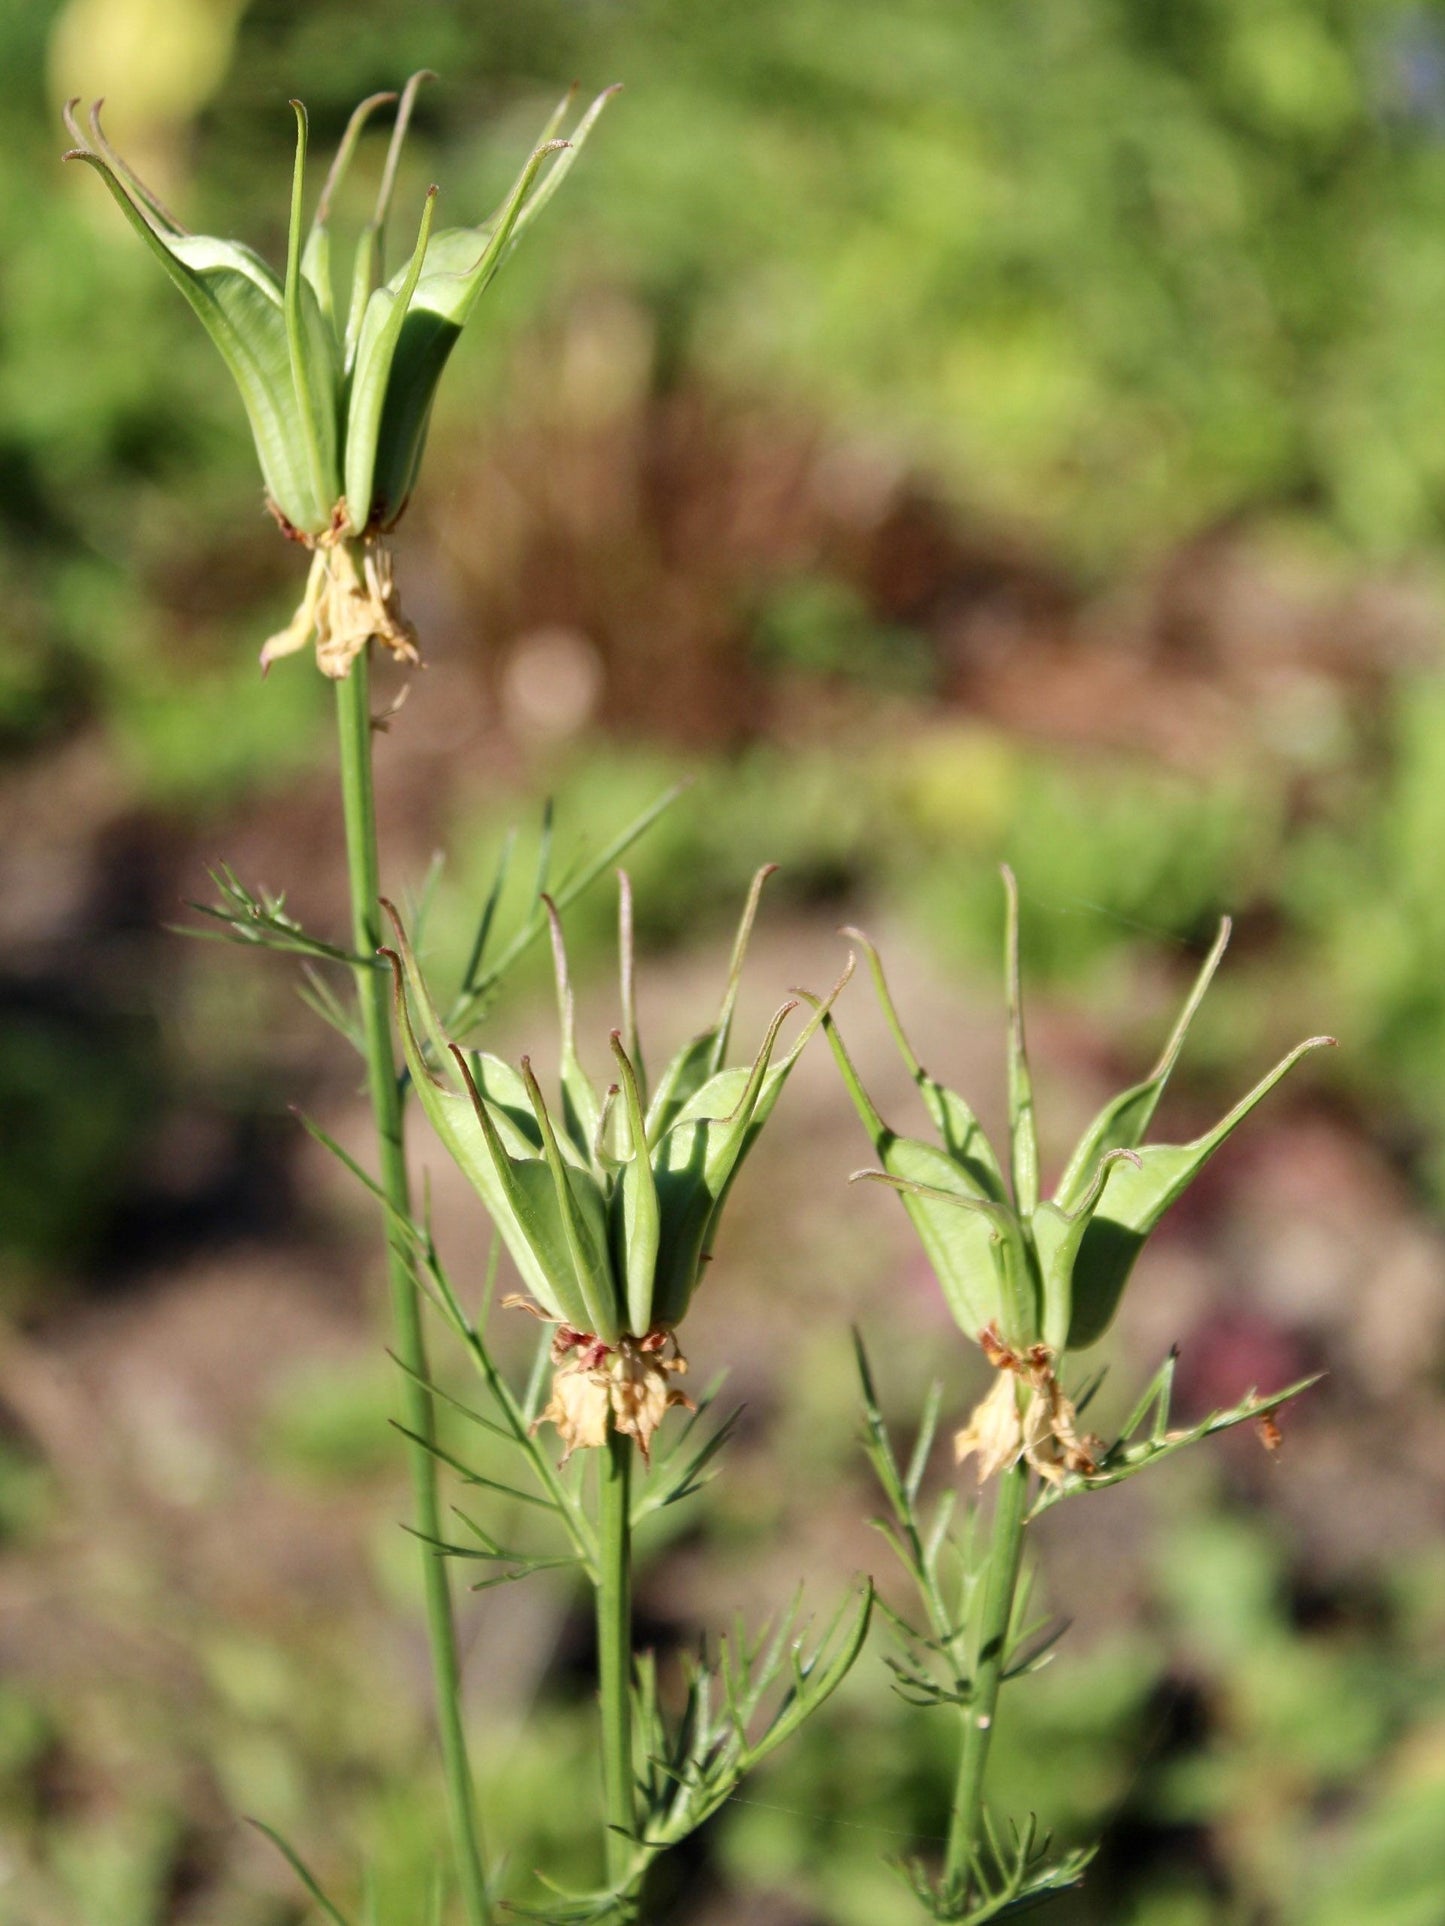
x=473, y=1000
x=489, y=911
x=302, y=1872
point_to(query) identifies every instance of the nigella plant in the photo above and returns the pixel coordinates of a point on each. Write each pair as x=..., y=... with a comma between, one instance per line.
x=1033, y=1281
x=338, y=376
x=609, y=1201
x=338, y=383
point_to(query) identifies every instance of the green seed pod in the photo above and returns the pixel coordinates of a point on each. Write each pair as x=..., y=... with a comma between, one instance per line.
x=610, y=1213
x=1016, y=1272
x=339, y=406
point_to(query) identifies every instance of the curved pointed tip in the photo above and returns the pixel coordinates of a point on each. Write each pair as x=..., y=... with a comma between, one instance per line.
x=395, y=962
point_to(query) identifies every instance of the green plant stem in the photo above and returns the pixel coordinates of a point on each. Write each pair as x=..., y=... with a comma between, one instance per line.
x=353, y=716
x=614, y=1650
x=1005, y=1554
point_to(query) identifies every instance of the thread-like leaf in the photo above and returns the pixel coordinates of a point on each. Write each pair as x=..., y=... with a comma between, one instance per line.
x=637, y=1219
x=583, y=1216
x=310, y=346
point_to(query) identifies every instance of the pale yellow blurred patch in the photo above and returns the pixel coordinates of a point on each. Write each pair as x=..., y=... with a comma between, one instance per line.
x=157, y=62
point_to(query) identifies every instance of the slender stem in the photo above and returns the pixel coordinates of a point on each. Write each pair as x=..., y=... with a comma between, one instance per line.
x=353, y=716
x=1001, y=1583
x=614, y=1650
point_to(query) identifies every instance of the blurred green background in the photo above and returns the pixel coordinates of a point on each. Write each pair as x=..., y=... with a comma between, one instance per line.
x=946, y=432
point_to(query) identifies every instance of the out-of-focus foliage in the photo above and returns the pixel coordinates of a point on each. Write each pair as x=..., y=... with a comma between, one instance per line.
x=1116, y=270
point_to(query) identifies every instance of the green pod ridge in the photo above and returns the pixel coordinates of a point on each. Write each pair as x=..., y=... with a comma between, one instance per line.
x=1122, y=1122
x=382, y=323
x=1135, y=1197
x=957, y=1243
x=436, y=309
x=694, y=1165
x=1057, y=1234
x=582, y=1212
x=530, y=1219
x=953, y=1119
x=310, y=345
x=636, y=1219
x=515, y=1201
x=505, y=1094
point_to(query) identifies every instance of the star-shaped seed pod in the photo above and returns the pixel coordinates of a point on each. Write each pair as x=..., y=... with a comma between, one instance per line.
x=1033, y=1280
x=609, y=1206
x=338, y=393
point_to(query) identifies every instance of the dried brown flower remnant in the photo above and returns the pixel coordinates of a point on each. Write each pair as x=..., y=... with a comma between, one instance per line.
x=1044, y=1432
x=344, y=609
x=624, y=1384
